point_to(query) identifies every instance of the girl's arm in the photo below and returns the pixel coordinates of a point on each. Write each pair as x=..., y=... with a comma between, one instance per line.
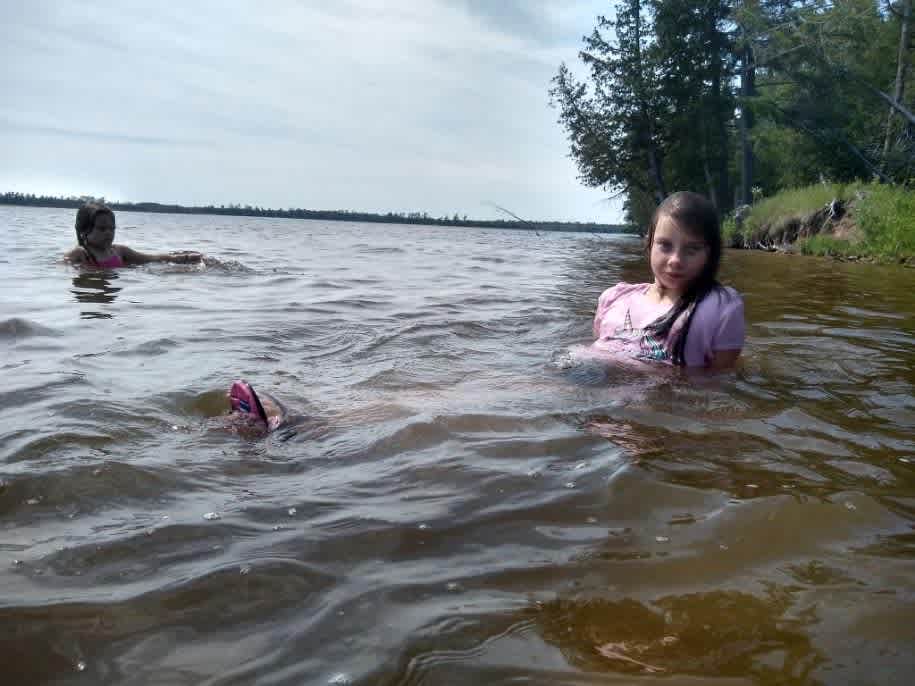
x=75, y=256
x=603, y=304
x=729, y=334
x=131, y=256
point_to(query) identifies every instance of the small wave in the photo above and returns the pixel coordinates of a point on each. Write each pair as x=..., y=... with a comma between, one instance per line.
x=407, y=380
x=17, y=328
x=327, y=283
x=138, y=554
x=430, y=334
x=57, y=633
x=86, y=488
x=414, y=436
x=368, y=248
x=581, y=366
x=353, y=303
x=430, y=665
x=214, y=264
x=173, y=268
x=22, y=396
x=24, y=446
x=206, y=404
x=150, y=348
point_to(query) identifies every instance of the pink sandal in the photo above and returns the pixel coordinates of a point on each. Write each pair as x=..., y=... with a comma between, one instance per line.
x=244, y=400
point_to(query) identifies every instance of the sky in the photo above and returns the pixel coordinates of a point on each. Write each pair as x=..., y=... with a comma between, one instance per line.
x=439, y=106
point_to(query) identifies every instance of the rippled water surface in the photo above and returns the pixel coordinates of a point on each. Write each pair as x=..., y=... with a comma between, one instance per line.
x=459, y=502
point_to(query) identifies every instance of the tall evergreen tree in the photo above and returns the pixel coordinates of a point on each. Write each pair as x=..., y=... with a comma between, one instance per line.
x=613, y=126
x=904, y=145
x=821, y=69
x=810, y=80
x=694, y=54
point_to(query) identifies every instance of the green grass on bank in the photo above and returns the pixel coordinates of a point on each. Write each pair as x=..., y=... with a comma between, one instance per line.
x=828, y=246
x=796, y=202
x=884, y=216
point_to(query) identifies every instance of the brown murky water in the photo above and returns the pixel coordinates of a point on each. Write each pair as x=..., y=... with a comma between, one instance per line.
x=461, y=502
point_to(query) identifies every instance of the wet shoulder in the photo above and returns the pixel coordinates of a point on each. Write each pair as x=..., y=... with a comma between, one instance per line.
x=75, y=255
x=620, y=290
x=721, y=302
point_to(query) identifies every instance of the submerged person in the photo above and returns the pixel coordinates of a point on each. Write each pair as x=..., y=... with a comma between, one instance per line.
x=684, y=317
x=95, y=227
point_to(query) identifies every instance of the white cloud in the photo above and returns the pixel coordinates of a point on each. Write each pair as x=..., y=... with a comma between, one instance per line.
x=434, y=106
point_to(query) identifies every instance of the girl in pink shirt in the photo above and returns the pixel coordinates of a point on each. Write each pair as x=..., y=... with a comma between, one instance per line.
x=684, y=317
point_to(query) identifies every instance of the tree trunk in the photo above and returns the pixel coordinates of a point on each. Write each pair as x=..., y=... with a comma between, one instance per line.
x=654, y=163
x=709, y=181
x=747, y=90
x=654, y=168
x=722, y=194
x=902, y=65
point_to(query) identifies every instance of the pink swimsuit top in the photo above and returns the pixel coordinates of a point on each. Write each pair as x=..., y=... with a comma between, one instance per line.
x=112, y=262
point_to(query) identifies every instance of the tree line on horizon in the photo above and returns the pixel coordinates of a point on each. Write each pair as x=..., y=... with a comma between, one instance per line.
x=28, y=199
x=740, y=98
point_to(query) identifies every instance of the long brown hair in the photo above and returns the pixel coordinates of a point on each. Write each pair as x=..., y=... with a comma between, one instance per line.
x=85, y=221
x=697, y=215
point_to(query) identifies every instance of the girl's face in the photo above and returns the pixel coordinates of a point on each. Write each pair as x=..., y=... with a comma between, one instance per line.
x=102, y=234
x=677, y=257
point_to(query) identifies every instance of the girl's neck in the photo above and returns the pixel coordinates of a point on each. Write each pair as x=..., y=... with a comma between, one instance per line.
x=662, y=295
x=99, y=255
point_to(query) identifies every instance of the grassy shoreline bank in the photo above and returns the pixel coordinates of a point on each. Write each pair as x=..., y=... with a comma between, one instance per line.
x=847, y=221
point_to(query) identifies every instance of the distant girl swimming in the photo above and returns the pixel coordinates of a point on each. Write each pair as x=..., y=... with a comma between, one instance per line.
x=95, y=234
x=684, y=317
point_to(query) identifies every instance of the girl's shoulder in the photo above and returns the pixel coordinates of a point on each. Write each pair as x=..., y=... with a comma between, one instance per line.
x=724, y=297
x=720, y=303
x=76, y=255
x=620, y=290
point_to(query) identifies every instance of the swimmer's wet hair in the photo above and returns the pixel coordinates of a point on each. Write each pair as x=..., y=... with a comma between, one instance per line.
x=85, y=220
x=696, y=214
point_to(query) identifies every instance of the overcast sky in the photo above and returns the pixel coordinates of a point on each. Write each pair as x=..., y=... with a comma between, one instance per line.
x=375, y=105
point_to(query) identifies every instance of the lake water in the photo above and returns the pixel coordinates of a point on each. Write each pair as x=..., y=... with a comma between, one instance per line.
x=460, y=502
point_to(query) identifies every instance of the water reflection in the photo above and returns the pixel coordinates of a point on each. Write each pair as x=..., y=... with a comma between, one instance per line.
x=95, y=287
x=714, y=634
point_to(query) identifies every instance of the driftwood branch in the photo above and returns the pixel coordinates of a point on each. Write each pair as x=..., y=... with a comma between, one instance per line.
x=898, y=106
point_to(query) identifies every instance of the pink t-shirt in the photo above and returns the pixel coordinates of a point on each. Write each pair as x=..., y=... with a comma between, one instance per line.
x=624, y=311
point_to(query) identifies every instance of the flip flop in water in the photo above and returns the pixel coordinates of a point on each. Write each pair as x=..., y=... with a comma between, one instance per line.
x=245, y=401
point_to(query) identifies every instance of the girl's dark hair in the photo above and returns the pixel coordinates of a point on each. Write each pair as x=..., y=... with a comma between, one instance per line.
x=85, y=220
x=697, y=215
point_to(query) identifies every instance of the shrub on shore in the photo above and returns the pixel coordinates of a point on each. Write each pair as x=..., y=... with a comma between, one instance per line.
x=794, y=203
x=827, y=246
x=869, y=220
x=886, y=216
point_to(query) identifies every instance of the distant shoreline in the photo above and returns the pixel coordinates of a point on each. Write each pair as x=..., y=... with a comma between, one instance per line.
x=26, y=200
